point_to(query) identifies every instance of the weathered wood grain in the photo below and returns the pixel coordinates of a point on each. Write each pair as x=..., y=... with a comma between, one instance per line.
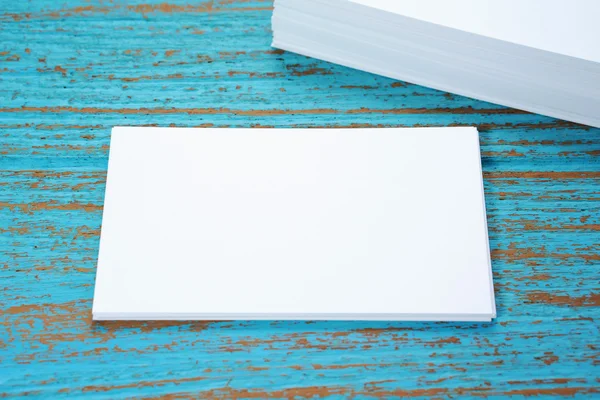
x=69, y=71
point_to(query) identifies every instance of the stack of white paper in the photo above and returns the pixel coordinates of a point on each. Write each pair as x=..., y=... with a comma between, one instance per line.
x=370, y=224
x=541, y=56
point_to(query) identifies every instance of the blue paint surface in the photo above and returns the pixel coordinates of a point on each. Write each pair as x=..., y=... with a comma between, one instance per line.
x=69, y=71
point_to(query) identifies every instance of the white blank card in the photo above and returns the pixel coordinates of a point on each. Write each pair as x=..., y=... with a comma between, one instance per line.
x=350, y=224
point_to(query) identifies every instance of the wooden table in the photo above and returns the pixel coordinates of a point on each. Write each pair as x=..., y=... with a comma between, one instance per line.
x=69, y=72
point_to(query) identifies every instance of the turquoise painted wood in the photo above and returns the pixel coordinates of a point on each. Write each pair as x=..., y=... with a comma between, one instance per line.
x=69, y=71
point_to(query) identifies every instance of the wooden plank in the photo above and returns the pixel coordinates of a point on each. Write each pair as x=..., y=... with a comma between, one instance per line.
x=69, y=72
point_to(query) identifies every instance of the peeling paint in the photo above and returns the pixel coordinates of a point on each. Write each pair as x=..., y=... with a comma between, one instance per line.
x=74, y=71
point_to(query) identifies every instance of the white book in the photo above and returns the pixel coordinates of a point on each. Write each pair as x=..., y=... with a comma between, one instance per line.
x=542, y=56
x=350, y=224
